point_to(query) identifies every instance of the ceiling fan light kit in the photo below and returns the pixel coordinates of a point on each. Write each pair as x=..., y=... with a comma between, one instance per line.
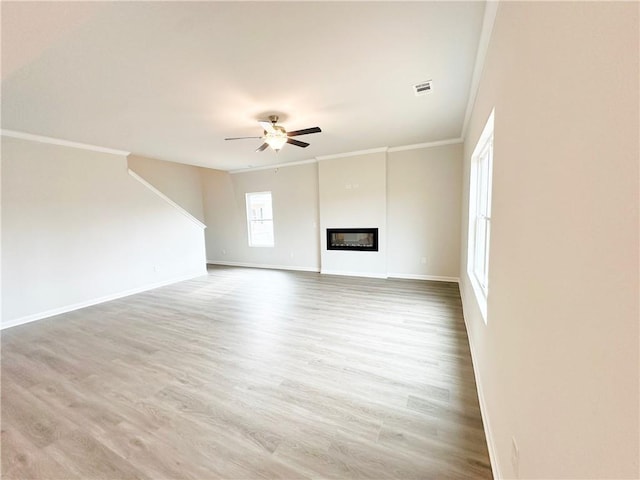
x=276, y=136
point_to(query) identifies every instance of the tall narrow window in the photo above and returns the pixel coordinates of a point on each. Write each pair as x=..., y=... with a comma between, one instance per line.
x=480, y=215
x=260, y=219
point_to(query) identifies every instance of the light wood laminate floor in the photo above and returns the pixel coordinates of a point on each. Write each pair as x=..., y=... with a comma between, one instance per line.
x=247, y=374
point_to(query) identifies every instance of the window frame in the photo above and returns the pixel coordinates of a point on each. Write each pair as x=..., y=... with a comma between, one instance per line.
x=251, y=221
x=479, y=234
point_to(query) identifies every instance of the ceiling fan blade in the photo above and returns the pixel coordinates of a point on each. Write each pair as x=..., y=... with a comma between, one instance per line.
x=239, y=138
x=305, y=131
x=297, y=143
x=267, y=126
x=262, y=147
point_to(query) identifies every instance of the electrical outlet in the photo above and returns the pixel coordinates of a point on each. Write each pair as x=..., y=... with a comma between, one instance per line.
x=423, y=260
x=156, y=268
x=224, y=252
x=515, y=458
x=291, y=254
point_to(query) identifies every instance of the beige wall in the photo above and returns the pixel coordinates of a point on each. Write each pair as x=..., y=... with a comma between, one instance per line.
x=295, y=209
x=416, y=191
x=181, y=183
x=424, y=188
x=557, y=362
x=353, y=194
x=77, y=229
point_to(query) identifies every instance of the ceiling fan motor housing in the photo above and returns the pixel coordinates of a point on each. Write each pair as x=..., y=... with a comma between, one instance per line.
x=275, y=136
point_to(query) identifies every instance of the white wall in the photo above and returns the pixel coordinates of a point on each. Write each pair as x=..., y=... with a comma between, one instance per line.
x=181, y=183
x=424, y=188
x=77, y=229
x=557, y=362
x=295, y=209
x=353, y=194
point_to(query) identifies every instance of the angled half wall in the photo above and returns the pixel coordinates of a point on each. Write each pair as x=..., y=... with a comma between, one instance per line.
x=77, y=230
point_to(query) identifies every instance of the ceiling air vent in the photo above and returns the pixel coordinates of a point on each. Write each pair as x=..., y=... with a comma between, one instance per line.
x=422, y=88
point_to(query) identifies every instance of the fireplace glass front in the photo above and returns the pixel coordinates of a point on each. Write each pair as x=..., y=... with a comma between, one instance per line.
x=360, y=239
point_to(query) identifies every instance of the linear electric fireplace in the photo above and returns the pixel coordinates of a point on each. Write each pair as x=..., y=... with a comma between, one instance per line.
x=361, y=239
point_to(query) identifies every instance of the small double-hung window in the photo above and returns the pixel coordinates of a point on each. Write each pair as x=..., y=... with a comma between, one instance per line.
x=480, y=215
x=260, y=219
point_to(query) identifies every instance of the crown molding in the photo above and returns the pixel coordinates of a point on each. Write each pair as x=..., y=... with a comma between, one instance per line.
x=269, y=167
x=63, y=143
x=416, y=146
x=490, y=11
x=352, y=154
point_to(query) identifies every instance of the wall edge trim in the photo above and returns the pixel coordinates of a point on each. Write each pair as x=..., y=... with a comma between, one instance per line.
x=166, y=199
x=88, y=303
x=61, y=142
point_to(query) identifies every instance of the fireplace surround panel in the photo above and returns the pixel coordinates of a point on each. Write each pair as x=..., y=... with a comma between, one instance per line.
x=352, y=239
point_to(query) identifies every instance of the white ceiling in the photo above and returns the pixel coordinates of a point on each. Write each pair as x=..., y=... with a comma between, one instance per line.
x=171, y=80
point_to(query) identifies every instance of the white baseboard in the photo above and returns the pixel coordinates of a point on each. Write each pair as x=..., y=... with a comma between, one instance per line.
x=493, y=458
x=408, y=276
x=77, y=306
x=434, y=278
x=353, y=274
x=261, y=265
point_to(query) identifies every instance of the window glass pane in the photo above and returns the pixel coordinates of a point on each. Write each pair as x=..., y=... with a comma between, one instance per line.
x=485, y=272
x=260, y=206
x=480, y=215
x=262, y=233
x=489, y=176
x=479, y=256
x=483, y=177
x=260, y=219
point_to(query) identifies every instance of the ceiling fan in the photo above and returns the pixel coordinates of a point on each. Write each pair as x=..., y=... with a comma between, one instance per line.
x=276, y=136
